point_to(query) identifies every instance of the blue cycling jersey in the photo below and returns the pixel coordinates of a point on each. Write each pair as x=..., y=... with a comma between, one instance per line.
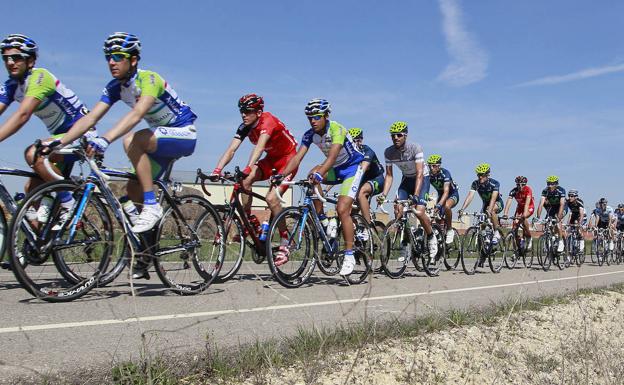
x=439, y=179
x=375, y=168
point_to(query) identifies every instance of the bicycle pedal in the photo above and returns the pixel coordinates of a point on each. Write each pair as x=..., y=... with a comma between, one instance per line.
x=141, y=274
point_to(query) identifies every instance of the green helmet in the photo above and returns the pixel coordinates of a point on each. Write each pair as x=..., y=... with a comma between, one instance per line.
x=552, y=179
x=482, y=168
x=434, y=159
x=398, y=127
x=356, y=133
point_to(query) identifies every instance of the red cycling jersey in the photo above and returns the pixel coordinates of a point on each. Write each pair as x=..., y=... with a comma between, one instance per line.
x=281, y=144
x=521, y=196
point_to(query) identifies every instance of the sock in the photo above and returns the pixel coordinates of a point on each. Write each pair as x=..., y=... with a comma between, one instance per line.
x=149, y=198
x=348, y=252
x=65, y=196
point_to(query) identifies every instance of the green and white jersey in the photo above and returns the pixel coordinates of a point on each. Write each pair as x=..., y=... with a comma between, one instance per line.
x=59, y=109
x=335, y=133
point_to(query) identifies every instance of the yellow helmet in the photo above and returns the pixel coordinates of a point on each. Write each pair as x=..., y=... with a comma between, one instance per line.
x=552, y=179
x=398, y=127
x=356, y=132
x=434, y=159
x=482, y=168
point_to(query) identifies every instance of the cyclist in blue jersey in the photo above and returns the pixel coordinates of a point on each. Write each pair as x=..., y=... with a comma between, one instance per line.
x=448, y=192
x=489, y=191
x=341, y=166
x=171, y=133
x=553, y=200
x=619, y=214
x=604, y=217
x=373, y=178
x=41, y=94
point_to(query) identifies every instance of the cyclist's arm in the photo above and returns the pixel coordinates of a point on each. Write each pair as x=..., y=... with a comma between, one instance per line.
x=85, y=123
x=493, y=201
x=19, y=117
x=387, y=180
x=419, y=178
x=3, y=108
x=561, y=206
x=258, y=149
x=294, y=162
x=131, y=119
x=527, y=205
x=507, y=206
x=468, y=199
x=229, y=153
x=541, y=205
x=445, y=193
x=334, y=150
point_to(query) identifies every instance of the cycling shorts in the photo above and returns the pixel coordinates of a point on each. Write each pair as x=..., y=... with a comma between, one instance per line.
x=407, y=186
x=454, y=197
x=267, y=164
x=520, y=211
x=552, y=211
x=349, y=177
x=574, y=217
x=376, y=184
x=171, y=143
x=498, y=207
x=602, y=225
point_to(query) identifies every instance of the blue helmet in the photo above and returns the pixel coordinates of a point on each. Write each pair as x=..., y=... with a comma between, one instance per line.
x=317, y=107
x=122, y=42
x=21, y=42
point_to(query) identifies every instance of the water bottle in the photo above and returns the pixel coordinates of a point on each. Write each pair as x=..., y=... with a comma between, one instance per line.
x=264, y=230
x=332, y=228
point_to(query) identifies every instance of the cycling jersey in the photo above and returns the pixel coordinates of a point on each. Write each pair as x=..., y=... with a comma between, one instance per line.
x=521, y=195
x=168, y=110
x=553, y=197
x=281, y=142
x=619, y=214
x=335, y=133
x=603, y=215
x=374, y=167
x=438, y=180
x=574, y=207
x=59, y=109
x=486, y=190
x=406, y=159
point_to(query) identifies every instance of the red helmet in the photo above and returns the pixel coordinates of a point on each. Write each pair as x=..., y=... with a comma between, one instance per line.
x=521, y=179
x=251, y=102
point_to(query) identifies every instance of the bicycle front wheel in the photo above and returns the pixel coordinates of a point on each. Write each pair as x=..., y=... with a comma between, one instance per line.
x=234, y=243
x=433, y=264
x=512, y=250
x=452, y=251
x=397, y=249
x=189, y=247
x=362, y=250
x=544, y=252
x=471, y=251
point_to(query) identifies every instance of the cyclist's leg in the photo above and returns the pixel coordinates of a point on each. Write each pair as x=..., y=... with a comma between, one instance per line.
x=448, y=209
x=422, y=216
x=365, y=191
x=256, y=174
x=406, y=188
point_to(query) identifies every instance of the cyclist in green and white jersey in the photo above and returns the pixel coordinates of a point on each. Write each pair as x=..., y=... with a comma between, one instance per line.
x=41, y=94
x=342, y=166
x=171, y=133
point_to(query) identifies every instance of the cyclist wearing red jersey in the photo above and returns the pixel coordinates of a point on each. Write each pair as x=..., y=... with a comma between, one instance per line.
x=526, y=205
x=269, y=135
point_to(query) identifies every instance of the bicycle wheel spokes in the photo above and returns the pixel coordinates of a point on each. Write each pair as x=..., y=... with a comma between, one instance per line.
x=188, y=251
x=56, y=254
x=471, y=251
x=397, y=249
x=291, y=248
x=362, y=250
x=234, y=243
x=496, y=256
x=544, y=252
x=452, y=251
x=512, y=250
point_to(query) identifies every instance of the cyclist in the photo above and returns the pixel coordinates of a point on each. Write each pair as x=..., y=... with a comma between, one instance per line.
x=577, y=212
x=619, y=213
x=373, y=178
x=606, y=219
x=409, y=158
x=171, y=133
x=489, y=191
x=448, y=192
x=42, y=94
x=553, y=200
x=523, y=194
x=269, y=135
x=341, y=166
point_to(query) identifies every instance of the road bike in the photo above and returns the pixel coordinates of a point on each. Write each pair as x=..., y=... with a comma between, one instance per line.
x=516, y=246
x=479, y=245
x=575, y=243
x=547, y=247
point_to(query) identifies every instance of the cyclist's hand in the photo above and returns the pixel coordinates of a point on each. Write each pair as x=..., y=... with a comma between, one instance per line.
x=438, y=208
x=246, y=171
x=381, y=198
x=315, y=177
x=97, y=145
x=277, y=179
x=215, y=175
x=47, y=147
x=460, y=213
x=504, y=217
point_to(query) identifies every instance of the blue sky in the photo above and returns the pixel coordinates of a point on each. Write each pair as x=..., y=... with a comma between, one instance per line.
x=531, y=87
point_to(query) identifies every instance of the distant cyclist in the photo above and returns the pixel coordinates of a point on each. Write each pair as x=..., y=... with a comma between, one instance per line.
x=523, y=194
x=448, y=192
x=489, y=191
x=577, y=211
x=553, y=200
x=604, y=217
x=373, y=179
x=409, y=158
x=619, y=213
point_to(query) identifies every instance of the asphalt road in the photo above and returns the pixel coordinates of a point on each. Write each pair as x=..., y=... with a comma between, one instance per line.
x=112, y=324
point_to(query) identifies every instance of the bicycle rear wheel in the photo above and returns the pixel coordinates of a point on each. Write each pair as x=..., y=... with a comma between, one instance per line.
x=432, y=265
x=397, y=250
x=471, y=251
x=362, y=250
x=58, y=254
x=189, y=248
x=496, y=253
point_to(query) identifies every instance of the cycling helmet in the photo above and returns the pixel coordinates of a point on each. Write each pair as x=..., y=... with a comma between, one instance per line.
x=483, y=168
x=21, y=42
x=552, y=179
x=521, y=179
x=356, y=133
x=621, y=206
x=573, y=193
x=398, y=127
x=251, y=102
x=603, y=201
x=317, y=107
x=434, y=159
x=122, y=42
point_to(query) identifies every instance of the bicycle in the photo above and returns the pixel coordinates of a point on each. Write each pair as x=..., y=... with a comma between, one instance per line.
x=548, y=243
x=66, y=252
x=405, y=240
x=452, y=251
x=573, y=241
x=516, y=246
x=619, y=246
x=478, y=246
x=600, y=246
x=304, y=230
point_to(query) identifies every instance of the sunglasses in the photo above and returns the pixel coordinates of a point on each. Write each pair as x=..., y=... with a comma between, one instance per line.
x=397, y=135
x=482, y=174
x=315, y=117
x=14, y=57
x=572, y=196
x=117, y=56
x=551, y=184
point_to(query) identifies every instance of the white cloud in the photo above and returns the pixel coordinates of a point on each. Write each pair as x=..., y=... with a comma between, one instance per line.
x=469, y=61
x=579, y=75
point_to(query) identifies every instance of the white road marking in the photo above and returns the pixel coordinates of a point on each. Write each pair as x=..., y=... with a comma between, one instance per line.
x=67, y=325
